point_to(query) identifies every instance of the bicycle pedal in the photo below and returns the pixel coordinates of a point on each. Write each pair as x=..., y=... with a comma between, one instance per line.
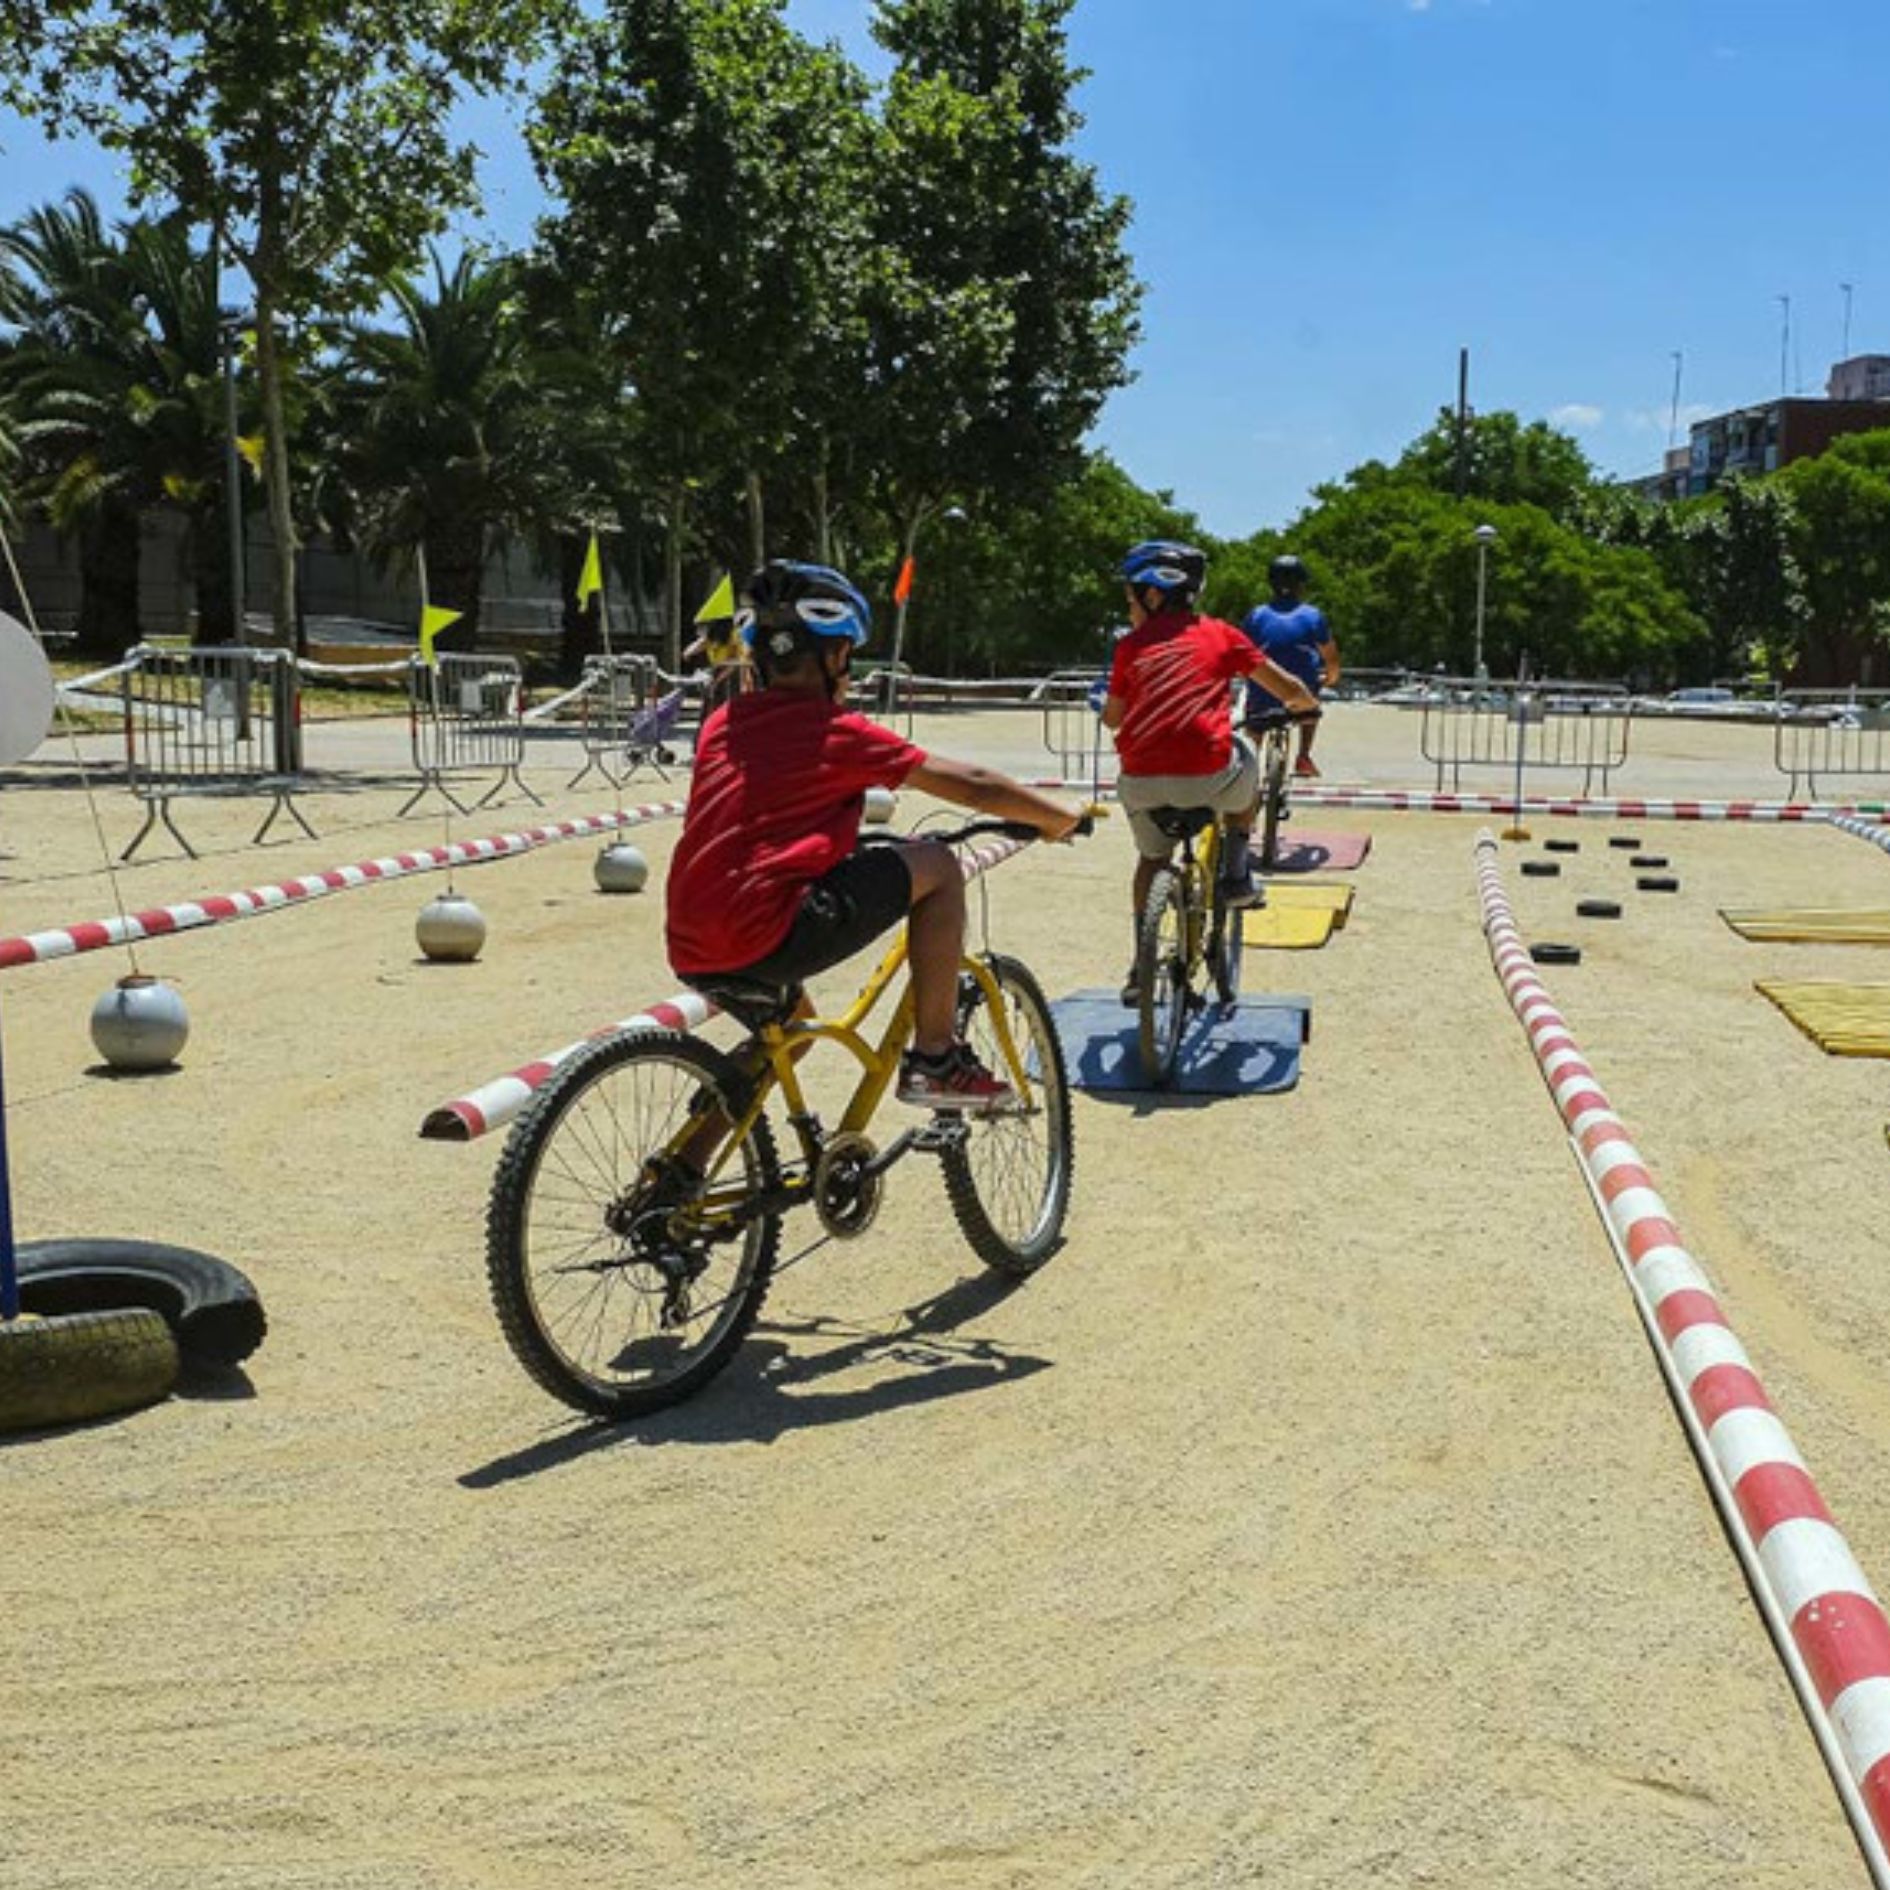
x=944, y=1131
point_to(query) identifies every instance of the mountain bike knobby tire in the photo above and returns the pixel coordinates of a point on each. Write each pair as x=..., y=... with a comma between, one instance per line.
x=1227, y=948
x=1009, y=1180
x=595, y=1315
x=1161, y=972
x=83, y=1365
x=1272, y=803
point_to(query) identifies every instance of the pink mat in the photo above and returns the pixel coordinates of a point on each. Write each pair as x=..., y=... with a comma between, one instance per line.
x=1305, y=852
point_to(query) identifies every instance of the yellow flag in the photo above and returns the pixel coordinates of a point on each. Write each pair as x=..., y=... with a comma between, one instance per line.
x=721, y=604
x=591, y=579
x=432, y=621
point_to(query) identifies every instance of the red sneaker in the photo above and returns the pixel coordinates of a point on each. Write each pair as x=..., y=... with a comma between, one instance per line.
x=1306, y=766
x=956, y=1080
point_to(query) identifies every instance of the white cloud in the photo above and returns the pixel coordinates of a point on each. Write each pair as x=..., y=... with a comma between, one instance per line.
x=1417, y=6
x=1579, y=415
x=1657, y=419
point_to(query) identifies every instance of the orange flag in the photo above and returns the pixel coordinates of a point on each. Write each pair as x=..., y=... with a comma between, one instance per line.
x=903, y=588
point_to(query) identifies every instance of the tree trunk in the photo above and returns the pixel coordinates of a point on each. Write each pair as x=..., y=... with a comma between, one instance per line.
x=757, y=522
x=823, y=511
x=672, y=583
x=210, y=572
x=289, y=631
x=108, y=581
x=456, y=570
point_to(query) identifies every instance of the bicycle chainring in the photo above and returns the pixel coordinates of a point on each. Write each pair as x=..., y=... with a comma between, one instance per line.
x=846, y=1196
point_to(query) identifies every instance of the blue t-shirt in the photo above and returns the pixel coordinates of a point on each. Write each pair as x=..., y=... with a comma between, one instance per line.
x=1291, y=638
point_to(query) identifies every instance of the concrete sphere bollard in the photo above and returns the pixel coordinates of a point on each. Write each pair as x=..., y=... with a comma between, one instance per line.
x=140, y=1024
x=881, y=804
x=621, y=868
x=451, y=929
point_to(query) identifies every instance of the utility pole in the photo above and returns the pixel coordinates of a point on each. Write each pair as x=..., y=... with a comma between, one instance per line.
x=1463, y=419
x=1849, y=289
x=1784, y=346
x=1673, y=417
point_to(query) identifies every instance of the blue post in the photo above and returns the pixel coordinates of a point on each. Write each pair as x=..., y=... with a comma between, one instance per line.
x=9, y=1269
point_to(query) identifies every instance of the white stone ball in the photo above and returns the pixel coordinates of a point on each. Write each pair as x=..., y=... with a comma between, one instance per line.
x=140, y=1024
x=451, y=929
x=621, y=868
x=881, y=804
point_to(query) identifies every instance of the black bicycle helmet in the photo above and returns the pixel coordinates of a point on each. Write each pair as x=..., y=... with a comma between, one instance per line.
x=1163, y=564
x=1287, y=573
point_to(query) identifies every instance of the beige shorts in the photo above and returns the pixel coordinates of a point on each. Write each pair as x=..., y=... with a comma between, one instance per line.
x=1235, y=790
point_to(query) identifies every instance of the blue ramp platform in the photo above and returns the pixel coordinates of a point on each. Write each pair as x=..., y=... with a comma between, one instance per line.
x=1251, y=1049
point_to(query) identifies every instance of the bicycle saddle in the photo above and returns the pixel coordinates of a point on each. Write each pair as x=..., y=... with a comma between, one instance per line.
x=1182, y=823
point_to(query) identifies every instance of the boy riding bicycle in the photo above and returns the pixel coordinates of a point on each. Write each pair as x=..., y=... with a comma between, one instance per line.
x=1294, y=635
x=766, y=885
x=1167, y=703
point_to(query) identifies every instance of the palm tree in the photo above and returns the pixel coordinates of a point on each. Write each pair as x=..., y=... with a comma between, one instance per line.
x=445, y=430
x=112, y=374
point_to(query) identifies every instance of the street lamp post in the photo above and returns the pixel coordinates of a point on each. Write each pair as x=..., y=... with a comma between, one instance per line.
x=1486, y=536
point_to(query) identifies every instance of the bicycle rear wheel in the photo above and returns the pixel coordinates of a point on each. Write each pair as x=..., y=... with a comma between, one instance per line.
x=1161, y=971
x=1227, y=948
x=1008, y=1180
x=1273, y=801
x=622, y=1284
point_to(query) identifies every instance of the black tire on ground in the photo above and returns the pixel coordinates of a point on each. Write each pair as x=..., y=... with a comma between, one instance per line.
x=1598, y=908
x=1652, y=860
x=1548, y=953
x=83, y=1365
x=1541, y=869
x=1657, y=882
x=594, y=1314
x=1009, y=1180
x=1563, y=846
x=1625, y=843
x=1161, y=973
x=210, y=1306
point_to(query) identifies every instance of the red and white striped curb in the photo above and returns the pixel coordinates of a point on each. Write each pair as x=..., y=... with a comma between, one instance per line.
x=1878, y=836
x=1825, y=1617
x=1418, y=801
x=492, y=1105
x=67, y=941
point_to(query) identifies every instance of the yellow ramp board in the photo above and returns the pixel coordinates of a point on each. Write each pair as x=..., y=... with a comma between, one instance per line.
x=1848, y=1020
x=1283, y=928
x=1818, y=925
x=1311, y=896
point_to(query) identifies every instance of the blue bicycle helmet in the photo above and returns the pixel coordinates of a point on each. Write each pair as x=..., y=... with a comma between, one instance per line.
x=1161, y=564
x=786, y=604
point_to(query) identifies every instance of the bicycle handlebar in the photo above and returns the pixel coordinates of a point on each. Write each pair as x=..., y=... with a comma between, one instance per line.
x=983, y=829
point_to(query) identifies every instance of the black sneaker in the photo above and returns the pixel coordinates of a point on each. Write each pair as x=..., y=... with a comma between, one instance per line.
x=1132, y=988
x=1244, y=890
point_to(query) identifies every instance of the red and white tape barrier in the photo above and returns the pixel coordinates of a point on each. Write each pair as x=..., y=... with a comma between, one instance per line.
x=1417, y=801
x=1825, y=1618
x=1878, y=836
x=66, y=941
x=494, y=1104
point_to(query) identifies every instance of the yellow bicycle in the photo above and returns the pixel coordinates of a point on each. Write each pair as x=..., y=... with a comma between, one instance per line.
x=635, y=1216
x=1189, y=939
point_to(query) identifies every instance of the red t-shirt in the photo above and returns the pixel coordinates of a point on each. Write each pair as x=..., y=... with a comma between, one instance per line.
x=775, y=802
x=1172, y=675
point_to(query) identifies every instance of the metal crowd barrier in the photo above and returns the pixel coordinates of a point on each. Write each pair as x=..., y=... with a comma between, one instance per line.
x=1475, y=723
x=217, y=720
x=1826, y=732
x=1072, y=730
x=617, y=690
x=465, y=714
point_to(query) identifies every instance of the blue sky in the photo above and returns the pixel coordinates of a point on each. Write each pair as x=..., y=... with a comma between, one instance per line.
x=1333, y=196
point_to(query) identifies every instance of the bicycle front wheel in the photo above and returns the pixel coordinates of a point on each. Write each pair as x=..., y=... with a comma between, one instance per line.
x=1008, y=1180
x=1161, y=973
x=1229, y=948
x=622, y=1279
x=1273, y=802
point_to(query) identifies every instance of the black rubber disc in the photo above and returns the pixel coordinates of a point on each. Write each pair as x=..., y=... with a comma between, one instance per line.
x=1648, y=859
x=1551, y=954
x=1599, y=908
x=1658, y=882
x=1563, y=846
x=1540, y=869
x=1626, y=842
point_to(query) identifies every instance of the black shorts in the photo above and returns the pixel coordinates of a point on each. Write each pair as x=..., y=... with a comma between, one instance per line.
x=841, y=913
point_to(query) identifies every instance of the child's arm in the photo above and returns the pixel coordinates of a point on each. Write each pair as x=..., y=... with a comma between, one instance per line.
x=1282, y=683
x=985, y=791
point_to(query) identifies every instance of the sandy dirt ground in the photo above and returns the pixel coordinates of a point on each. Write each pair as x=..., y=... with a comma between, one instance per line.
x=1316, y=1518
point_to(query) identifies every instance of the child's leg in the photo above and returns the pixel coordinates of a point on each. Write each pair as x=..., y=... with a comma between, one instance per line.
x=935, y=941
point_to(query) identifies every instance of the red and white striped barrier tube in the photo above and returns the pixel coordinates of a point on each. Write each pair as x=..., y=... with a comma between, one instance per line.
x=1418, y=801
x=67, y=941
x=1826, y=1620
x=492, y=1105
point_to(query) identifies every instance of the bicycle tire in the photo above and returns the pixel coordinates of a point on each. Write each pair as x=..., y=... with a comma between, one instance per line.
x=1011, y=1208
x=1272, y=802
x=1161, y=973
x=643, y=1369
x=1228, y=950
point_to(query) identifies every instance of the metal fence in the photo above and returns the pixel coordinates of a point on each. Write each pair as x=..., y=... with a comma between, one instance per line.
x=617, y=690
x=1072, y=729
x=1477, y=723
x=1826, y=733
x=465, y=713
x=219, y=720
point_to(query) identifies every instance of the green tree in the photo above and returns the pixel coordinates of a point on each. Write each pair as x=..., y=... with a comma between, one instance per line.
x=1504, y=462
x=309, y=134
x=1841, y=509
